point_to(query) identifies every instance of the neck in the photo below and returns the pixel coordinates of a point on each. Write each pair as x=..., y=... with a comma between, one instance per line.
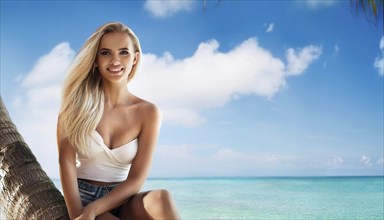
x=115, y=94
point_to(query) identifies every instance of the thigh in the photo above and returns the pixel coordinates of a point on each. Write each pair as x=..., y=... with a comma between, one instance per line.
x=134, y=208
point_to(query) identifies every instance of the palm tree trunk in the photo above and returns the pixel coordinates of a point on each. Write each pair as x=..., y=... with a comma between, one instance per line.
x=26, y=192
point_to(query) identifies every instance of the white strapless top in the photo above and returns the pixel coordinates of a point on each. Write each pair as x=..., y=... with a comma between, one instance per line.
x=106, y=165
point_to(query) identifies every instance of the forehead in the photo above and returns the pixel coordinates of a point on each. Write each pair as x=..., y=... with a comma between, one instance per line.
x=115, y=40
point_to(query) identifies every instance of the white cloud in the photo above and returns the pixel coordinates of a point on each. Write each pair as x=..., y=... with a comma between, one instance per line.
x=216, y=162
x=379, y=65
x=210, y=78
x=336, y=160
x=365, y=160
x=336, y=49
x=211, y=160
x=270, y=27
x=379, y=62
x=51, y=67
x=183, y=117
x=167, y=8
x=320, y=3
x=299, y=61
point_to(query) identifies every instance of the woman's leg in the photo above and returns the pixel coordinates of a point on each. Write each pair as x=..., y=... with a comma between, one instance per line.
x=156, y=204
x=159, y=204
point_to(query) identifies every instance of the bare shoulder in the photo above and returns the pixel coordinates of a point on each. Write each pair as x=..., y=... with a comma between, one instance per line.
x=148, y=111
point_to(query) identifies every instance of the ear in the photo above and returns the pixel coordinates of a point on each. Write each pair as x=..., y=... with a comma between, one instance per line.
x=136, y=58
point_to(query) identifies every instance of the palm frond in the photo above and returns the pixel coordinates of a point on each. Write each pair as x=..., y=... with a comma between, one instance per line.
x=372, y=9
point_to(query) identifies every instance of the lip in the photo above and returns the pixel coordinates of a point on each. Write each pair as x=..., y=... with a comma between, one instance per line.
x=114, y=70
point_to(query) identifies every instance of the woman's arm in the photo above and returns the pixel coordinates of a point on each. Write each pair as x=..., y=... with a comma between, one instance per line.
x=147, y=140
x=68, y=175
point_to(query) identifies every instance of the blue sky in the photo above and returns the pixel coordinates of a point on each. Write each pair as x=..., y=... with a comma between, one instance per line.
x=247, y=88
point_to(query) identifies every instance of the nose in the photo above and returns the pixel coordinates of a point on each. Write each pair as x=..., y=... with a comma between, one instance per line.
x=115, y=61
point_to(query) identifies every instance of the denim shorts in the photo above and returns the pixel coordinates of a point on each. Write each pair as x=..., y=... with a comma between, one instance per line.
x=90, y=193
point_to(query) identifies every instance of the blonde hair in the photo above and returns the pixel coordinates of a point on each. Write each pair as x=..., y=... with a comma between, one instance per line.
x=83, y=96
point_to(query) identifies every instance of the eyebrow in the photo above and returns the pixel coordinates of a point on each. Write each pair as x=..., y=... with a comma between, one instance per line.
x=110, y=49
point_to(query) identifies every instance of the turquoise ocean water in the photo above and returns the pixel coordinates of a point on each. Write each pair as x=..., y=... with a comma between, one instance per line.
x=275, y=197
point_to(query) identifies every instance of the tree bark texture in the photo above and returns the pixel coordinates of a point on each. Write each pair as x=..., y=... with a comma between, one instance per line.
x=26, y=191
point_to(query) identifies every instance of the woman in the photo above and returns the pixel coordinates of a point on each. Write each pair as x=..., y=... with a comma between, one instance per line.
x=106, y=135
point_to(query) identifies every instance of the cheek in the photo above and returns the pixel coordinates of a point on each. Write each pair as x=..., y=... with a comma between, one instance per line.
x=100, y=61
x=128, y=61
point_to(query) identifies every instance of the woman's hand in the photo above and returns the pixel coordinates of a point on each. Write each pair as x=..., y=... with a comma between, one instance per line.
x=87, y=214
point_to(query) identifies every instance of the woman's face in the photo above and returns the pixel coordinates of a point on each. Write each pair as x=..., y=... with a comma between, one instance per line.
x=116, y=57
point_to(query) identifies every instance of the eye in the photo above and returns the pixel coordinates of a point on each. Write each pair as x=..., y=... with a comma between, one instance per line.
x=124, y=52
x=104, y=53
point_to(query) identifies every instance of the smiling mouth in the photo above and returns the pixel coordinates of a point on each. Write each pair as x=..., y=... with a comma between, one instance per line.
x=115, y=70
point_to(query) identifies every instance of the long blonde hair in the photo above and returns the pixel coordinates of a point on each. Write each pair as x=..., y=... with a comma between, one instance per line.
x=83, y=96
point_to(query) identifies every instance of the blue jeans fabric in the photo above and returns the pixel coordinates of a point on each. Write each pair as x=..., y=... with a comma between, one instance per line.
x=89, y=193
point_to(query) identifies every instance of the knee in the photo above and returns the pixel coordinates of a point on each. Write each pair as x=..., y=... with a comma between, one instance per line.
x=159, y=204
x=157, y=198
x=163, y=196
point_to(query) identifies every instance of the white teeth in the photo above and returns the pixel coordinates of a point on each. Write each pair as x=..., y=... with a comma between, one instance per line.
x=115, y=70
